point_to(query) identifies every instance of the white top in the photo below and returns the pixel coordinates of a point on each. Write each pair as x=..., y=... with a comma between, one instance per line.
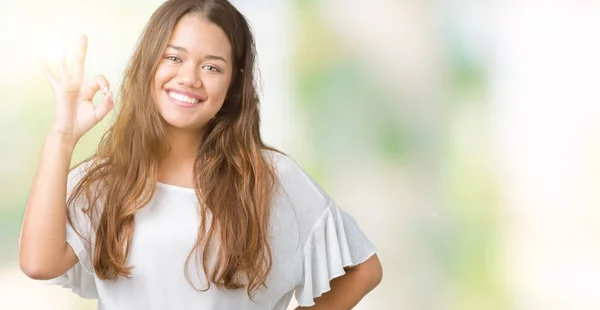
x=312, y=240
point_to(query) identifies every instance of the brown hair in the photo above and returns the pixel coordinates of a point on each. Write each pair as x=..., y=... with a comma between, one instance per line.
x=234, y=182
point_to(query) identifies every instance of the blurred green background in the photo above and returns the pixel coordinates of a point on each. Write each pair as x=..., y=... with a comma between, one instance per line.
x=462, y=135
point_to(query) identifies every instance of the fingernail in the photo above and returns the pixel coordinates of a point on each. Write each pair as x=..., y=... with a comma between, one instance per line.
x=104, y=89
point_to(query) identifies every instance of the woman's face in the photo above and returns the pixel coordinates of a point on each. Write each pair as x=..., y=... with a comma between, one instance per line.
x=193, y=74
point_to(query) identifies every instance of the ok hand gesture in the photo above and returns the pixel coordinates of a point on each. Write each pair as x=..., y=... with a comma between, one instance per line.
x=75, y=114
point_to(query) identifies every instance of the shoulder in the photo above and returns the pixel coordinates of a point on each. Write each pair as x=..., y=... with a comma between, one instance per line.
x=297, y=188
x=286, y=167
x=291, y=174
x=280, y=161
x=76, y=176
x=78, y=172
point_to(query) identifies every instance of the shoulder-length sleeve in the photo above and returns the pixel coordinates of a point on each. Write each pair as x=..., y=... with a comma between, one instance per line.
x=334, y=243
x=80, y=278
x=331, y=238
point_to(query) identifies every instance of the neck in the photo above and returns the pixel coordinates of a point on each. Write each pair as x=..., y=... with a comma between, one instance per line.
x=184, y=144
x=177, y=168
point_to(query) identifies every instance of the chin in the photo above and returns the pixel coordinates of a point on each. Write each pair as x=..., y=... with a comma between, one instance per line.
x=185, y=126
x=183, y=123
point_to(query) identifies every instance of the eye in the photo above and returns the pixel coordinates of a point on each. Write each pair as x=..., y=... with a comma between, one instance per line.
x=173, y=58
x=211, y=68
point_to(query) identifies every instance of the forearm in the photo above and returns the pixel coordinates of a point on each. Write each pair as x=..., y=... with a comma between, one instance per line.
x=42, y=237
x=347, y=290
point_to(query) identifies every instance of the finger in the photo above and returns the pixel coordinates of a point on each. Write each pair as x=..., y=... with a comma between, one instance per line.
x=102, y=110
x=78, y=66
x=90, y=88
x=63, y=70
x=48, y=73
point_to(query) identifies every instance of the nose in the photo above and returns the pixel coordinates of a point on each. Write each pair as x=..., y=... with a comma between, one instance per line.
x=188, y=76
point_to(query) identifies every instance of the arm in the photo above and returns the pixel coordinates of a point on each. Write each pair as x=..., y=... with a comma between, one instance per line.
x=43, y=250
x=347, y=290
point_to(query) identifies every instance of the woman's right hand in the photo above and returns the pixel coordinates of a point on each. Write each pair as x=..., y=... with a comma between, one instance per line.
x=75, y=113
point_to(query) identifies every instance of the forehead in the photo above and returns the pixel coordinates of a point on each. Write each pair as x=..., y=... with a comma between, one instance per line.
x=200, y=37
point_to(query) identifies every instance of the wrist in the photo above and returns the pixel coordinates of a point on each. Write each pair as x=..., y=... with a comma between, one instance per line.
x=65, y=140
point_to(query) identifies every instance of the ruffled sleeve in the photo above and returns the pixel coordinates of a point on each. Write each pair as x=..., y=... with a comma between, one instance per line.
x=80, y=278
x=334, y=243
x=330, y=239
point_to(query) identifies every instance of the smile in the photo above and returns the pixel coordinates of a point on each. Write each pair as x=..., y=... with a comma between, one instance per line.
x=183, y=98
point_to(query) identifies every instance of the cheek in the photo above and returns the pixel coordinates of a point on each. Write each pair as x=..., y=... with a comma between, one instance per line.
x=218, y=88
x=162, y=76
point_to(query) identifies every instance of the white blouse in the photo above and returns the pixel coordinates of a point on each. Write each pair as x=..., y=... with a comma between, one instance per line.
x=311, y=238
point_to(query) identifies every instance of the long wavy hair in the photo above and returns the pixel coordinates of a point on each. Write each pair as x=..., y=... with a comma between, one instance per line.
x=234, y=182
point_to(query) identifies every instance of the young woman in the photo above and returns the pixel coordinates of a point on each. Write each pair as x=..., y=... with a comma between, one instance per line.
x=183, y=206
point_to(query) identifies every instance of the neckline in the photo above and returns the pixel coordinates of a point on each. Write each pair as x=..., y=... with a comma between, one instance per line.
x=175, y=187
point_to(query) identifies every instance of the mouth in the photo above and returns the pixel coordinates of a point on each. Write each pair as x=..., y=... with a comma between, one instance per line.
x=185, y=99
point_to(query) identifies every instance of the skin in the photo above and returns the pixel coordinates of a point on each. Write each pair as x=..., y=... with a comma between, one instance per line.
x=187, y=66
x=347, y=290
x=198, y=62
x=43, y=250
x=206, y=76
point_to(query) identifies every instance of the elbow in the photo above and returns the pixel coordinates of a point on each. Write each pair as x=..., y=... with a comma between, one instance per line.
x=370, y=272
x=376, y=273
x=380, y=277
x=32, y=272
x=33, y=269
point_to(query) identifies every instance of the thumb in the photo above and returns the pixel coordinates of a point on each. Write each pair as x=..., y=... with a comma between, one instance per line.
x=107, y=104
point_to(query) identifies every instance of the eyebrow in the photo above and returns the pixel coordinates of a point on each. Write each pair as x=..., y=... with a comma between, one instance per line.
x=182, y=49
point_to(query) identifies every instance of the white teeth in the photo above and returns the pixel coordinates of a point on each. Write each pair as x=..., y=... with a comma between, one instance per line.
x=183, y=98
